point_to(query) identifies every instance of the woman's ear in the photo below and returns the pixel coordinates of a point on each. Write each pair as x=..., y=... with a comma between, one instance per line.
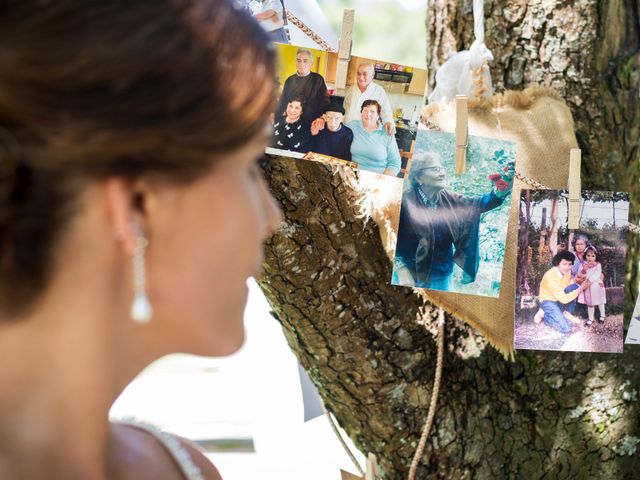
x=127, y=204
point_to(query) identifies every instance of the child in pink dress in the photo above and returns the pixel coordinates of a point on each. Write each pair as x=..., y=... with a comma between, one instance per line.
x=595, y=295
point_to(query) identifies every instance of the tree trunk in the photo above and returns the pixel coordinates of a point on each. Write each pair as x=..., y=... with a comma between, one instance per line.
x=369, y=346
x=588, y=50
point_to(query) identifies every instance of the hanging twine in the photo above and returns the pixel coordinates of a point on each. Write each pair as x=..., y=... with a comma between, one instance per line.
x=479, y=84
x=466, y=72
x=531, y=182
x=434, y=399
x=430, y=415
x=334, y=427
x=308, y=32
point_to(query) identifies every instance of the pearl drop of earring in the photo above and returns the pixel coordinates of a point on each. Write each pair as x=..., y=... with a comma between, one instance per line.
x=141, y=310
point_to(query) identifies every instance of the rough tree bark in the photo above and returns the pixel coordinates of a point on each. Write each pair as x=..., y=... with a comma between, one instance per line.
x=369, y=347
x=588, y=50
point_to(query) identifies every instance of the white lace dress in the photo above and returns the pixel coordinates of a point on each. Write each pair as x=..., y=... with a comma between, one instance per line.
x=180, y=454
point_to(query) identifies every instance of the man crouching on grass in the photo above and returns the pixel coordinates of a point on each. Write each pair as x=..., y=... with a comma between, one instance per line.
x=558, y=293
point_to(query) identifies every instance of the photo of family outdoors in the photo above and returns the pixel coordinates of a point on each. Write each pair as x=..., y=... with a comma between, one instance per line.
x=453, y=228
x=570, y=284
x=633, y=334
x=370, y=124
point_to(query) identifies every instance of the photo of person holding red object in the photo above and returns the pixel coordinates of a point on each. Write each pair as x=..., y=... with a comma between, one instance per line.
x=443, y=222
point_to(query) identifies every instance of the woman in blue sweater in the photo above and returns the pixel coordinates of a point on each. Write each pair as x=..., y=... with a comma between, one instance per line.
x=373, y=148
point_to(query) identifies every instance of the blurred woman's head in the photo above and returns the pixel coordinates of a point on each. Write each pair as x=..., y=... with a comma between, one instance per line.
x=135, y=114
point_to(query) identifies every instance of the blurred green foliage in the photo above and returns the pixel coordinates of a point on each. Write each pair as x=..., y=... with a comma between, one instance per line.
x=384, y=29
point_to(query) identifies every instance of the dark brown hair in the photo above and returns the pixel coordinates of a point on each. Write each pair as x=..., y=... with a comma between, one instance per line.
x=298, y=98
x=91, y=89
x=366, y=103
x=590, y=248
x=562, y=255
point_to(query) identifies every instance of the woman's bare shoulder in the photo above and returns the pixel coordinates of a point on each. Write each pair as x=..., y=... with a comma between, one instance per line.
x=142, y=451
x=207, y=468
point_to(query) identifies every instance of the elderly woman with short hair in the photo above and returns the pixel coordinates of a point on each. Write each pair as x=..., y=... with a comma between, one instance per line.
x=373, y=149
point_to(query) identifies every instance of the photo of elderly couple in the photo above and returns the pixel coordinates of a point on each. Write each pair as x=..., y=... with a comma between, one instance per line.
x=370, y=124
x=453, y=228
x=570, y=284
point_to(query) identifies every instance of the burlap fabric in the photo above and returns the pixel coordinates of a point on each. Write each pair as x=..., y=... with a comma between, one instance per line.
x=541, y=124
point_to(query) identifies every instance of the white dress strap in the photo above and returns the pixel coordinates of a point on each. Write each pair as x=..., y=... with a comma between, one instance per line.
x=173, y=446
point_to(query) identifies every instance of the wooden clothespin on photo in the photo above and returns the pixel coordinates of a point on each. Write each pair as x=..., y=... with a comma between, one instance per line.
x=348, y=476
x=462, y=133
x=344, y=50
x=574, y=189
x=372, y=472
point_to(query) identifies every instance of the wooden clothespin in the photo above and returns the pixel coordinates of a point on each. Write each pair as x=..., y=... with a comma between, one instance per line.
x=348, y=476
x=372, y=472
x=344, y=50
x=462, y=133
x=574, y=189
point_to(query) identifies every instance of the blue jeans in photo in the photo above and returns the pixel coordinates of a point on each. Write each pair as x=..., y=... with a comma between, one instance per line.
x=279, y=36
x=553, y=311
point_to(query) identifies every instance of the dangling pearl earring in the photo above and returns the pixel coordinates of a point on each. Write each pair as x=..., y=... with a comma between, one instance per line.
x=141, y=310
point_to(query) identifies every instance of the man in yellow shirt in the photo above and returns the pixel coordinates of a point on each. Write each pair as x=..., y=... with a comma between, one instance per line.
x=558, y=292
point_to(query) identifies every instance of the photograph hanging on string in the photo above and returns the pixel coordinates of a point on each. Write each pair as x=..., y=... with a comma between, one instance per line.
x=633, y=334
x=370, y=124
x=453, y=228
x=570, y=283
x=271, y=15
x=297, y=22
